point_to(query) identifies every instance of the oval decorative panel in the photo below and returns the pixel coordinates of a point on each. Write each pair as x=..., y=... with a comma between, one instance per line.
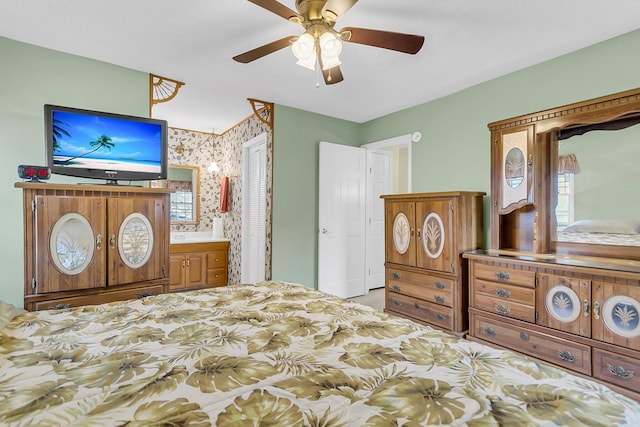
x=401, y=233
x=72, y=244
x=563, y=304
x=135, y=240
x=621, y=315
x=433, y=237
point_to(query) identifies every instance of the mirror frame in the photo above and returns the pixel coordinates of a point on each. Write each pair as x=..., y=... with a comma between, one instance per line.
x=195, y=180
x=536, y=219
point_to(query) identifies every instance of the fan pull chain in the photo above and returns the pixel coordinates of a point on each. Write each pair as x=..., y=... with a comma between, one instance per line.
x=317, y=76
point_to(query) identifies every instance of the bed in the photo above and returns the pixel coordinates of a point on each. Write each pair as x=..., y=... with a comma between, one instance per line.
x=602, y=232
x=276, y=354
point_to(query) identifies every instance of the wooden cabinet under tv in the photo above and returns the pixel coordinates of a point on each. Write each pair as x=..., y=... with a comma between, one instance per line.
x=198, y=265
x=425, y=275
x=91, y=244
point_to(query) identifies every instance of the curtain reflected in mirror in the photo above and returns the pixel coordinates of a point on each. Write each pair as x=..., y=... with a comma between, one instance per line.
x=185, y=181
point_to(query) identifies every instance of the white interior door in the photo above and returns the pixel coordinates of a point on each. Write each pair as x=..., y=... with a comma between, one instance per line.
x=254, y=209
x=378, y=183
x=341, y=220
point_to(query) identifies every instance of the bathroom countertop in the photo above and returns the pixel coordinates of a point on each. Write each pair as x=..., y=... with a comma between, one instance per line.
x=183, y=237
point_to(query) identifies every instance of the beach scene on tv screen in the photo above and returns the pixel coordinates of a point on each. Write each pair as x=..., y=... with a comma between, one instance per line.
x=96, y=142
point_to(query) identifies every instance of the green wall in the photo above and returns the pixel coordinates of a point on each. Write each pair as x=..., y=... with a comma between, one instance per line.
x=454, y=151
x=297, y=135
x=31, y=77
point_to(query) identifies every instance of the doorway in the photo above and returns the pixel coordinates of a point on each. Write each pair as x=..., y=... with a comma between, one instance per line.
x=360, y=267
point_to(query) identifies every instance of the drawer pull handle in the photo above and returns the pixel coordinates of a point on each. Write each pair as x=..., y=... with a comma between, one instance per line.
x=396, y=302
x=503, y=293
x=396, y=275
x=59, y=307
x=501, y=275
x=567, y=356
x=488, y=331
x=396, y=288
x=439, y=299
x=440, y=316
x=112, y=241
x=502, y=309
x=596, y=310
x=524, y=336
x=98, y=242
x=620, y=372
x=145, y=294
x=585, y=308
x=440, y=285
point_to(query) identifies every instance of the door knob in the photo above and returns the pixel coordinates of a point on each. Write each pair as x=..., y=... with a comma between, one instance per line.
x=324, y=231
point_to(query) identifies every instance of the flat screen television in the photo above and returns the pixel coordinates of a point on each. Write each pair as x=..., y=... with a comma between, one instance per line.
x=101, y=145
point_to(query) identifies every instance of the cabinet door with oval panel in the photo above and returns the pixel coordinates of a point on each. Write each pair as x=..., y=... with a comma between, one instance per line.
x=400, y=242
x=564, y=303
x=435, y=234
x=70, y=252
x=616, y=314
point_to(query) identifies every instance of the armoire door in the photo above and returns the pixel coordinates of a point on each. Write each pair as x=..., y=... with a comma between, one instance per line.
x=70, y=243
x=135, y=240
x=400, y=234
x=434, y=224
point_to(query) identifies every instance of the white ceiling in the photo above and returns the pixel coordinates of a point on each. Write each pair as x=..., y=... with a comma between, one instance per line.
x=467, y=42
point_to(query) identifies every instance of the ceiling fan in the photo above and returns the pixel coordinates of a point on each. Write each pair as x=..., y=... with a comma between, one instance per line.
x=321, y=44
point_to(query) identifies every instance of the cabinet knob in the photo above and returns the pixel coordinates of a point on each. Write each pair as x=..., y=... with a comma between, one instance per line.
x=396, y=302
x=524, y=336
x=99, y=242
x=619, y=372
x=567, y=356
x=489, y=331
x=112, y=241
x=502, y=309
x=501, y=275
x=503, y=293
x=396, y=288
x=440, y=285
x=585, y=308
x=439, y=299
x=440, y=316
x=396, y=276
x=596, y=310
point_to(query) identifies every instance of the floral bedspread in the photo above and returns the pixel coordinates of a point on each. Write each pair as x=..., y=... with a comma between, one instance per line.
x=274, y=354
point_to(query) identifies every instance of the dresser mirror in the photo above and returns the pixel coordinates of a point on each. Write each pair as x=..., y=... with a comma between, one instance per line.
x=597, y=195
x=185, y=181
x=583, y=191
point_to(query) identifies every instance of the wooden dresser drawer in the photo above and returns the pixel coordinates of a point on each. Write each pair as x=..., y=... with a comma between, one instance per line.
x=616, y=369
x=505, y=275
x=492, y=304
x=567, y=354
x=217, y=276
x=424, y=286
x=216, y=259
x=99, y=298
x=504, y=292
x=421, y=310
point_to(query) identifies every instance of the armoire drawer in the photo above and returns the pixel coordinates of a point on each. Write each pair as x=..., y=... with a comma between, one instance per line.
x=424, y=286
x=492, y=304
x=567, y=354
x=616, y=369
x=99, y=298
x=505, y=275
x=422, y=310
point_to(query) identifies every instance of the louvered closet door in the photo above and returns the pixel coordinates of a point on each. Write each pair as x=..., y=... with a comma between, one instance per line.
x=254, y=211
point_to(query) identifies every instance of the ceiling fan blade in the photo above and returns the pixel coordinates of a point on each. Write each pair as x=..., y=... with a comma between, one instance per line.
x=276, y=7
x=339, y=7
x=407, y=43
x=332, y=75
x=261, y=51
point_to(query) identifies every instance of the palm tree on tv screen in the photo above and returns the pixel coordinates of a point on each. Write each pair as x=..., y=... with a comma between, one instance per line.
x=58, y=131
x=103, y=142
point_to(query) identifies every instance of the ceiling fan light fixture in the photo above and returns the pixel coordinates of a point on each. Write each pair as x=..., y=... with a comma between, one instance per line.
x=304, y=47
x=330, y=46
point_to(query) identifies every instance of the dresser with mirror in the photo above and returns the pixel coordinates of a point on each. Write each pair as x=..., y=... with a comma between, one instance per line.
x=561, y=278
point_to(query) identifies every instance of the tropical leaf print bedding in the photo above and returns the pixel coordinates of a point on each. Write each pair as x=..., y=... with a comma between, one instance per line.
x=274, y=354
